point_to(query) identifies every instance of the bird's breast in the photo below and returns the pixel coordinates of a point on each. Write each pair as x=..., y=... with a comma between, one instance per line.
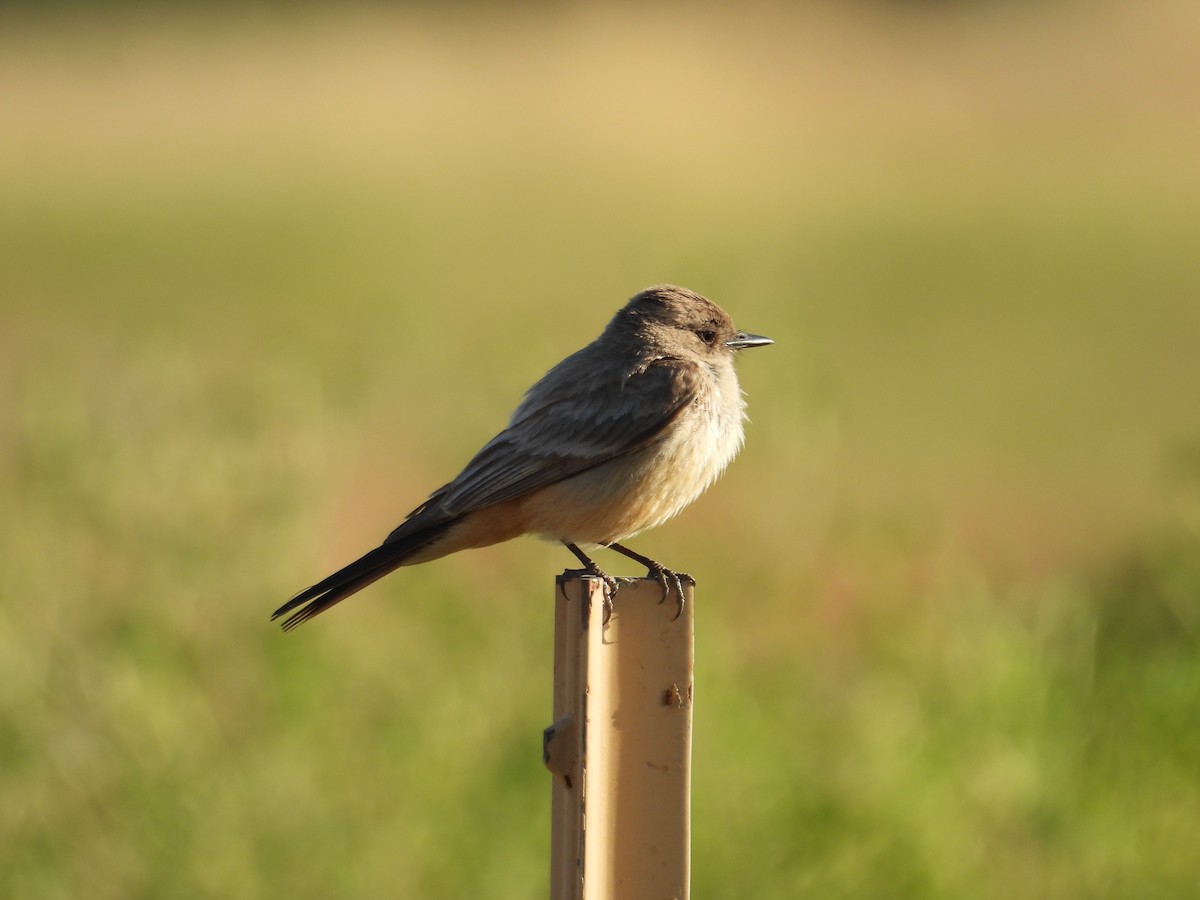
x=640, y=490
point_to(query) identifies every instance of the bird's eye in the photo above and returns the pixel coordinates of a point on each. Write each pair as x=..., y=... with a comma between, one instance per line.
x=707, y=336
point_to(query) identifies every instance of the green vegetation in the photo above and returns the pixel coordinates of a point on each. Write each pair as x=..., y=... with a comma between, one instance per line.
x=949, y=597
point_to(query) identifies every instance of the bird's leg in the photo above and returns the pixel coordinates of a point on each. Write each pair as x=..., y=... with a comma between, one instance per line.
x=660, y=573
x=590, y=568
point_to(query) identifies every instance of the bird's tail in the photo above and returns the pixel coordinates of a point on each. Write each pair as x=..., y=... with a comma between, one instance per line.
x=369, y=568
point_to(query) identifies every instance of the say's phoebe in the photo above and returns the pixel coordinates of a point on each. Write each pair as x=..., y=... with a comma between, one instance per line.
x=615, y=439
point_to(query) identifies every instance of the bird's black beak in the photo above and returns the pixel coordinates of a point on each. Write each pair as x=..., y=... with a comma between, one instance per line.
x=742, y=340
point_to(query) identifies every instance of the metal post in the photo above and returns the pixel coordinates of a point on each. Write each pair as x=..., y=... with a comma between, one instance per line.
x=620, y=747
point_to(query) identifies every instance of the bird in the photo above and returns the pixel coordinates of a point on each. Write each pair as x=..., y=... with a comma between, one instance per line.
x=617, y=438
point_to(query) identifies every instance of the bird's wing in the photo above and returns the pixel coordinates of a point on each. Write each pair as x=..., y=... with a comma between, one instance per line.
x=579, y=425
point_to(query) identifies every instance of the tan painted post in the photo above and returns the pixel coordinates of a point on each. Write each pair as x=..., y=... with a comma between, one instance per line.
x=620, y=747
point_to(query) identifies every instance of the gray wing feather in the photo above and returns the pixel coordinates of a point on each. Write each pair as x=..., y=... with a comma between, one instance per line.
x=568, y=425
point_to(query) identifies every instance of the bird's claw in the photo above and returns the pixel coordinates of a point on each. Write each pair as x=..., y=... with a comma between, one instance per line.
x=667, y=580
x=611, y=585
x=665, y=577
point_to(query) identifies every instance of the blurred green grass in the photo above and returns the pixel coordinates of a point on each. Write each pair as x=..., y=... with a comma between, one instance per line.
x=949, y=594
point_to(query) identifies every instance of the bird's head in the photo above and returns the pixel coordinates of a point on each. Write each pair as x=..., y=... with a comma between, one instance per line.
x=672, y=321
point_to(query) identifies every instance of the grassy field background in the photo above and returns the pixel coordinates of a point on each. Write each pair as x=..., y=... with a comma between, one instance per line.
x=267, y=279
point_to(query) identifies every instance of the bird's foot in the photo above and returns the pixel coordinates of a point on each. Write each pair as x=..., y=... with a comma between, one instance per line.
x=611, y=585
x=666, y=578
x=669, y=580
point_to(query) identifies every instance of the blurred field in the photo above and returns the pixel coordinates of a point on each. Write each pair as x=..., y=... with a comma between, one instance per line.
x=949, y=595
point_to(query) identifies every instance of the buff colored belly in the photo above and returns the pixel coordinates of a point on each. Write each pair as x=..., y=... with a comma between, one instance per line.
x=618, y=499
x=631, y=494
